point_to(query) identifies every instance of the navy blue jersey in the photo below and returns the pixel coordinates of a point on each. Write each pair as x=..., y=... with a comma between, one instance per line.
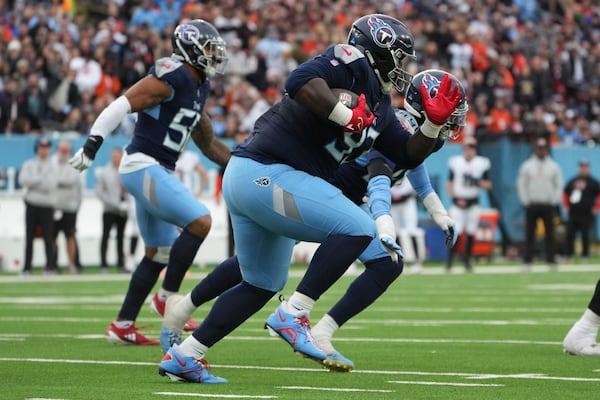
x=289, y=133
x=162, y=131
x=352, y=178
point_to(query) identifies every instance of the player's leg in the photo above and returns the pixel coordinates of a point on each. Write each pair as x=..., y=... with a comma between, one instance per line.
x=548, y=219
x=166, y=201
x=459, y=217
x=106, y=226
x=472, y=224
x=586, y=223
x=380, y=272
x=323, y=215
x=120, y=222
x=157, y=236
x=266, y=256
x=269, y=212
x=531, y=216
x=179, y=309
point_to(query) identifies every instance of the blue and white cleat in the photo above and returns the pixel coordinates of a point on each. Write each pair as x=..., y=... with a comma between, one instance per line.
x=335, y=361
x=168, y=338
x=186, y=369
x=295, y=331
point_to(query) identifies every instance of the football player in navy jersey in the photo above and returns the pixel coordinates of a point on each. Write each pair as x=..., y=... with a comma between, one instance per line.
x=170, y=105
x=370, y=175
x=276, y=190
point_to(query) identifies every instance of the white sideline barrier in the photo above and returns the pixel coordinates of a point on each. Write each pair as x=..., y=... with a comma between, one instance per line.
x=89, y=232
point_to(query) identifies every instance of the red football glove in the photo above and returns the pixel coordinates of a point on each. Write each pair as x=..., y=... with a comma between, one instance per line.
x=360, y=118
x=440, y=107
x=355, y=119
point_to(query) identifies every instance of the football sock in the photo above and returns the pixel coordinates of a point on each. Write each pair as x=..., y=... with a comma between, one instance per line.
x=588, y=323
x=191, y=347
x=123, y=324
x=224, y=276
x=142, y=281
x=182, y=255
x=186, y=306
x=323, y=331
x=595, y=301
x=366, y=288
x=232, y=308
x=329, y=263
x=298, y=305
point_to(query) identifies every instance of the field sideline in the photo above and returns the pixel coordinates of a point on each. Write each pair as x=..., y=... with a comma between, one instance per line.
x=493, y=334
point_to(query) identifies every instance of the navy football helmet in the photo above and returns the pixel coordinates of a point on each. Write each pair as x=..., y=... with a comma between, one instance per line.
x=413, y=102
x=198, y=43
x=386, y=42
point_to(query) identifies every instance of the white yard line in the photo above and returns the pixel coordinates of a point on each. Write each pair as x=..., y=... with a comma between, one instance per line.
x=446, y=383
x=465, y=375
x=332, y=389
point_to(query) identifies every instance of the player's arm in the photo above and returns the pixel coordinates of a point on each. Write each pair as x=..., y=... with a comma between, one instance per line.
x=146, y=93
x=419, y=179
x=204, y=137
x=380, y=202
x=317, y=96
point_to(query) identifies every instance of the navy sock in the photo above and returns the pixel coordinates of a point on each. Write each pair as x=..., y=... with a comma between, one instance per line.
x=224, y=276
x=142, y=281
x=366, y=288
x=231, y=309
x=182, y=255
x=331, y=260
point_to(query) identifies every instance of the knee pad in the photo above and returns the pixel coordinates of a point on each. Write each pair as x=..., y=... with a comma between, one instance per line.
x=162, y=255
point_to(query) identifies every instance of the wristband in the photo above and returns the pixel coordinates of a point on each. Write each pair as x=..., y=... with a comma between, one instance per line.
x=340, y=114
x=430, y=129
x=91, y=146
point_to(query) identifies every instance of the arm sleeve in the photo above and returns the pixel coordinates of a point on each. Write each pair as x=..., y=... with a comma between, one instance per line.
x=380, y=198
x=419, y=179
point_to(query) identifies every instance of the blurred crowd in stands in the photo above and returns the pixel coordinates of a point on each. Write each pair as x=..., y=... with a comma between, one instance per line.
x=531, y=68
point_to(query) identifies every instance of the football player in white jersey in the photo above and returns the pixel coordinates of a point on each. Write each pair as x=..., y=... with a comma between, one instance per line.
x=469, y=173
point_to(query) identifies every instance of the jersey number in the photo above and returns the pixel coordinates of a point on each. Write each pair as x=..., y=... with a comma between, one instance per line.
x=352, y=146
x=180, y=129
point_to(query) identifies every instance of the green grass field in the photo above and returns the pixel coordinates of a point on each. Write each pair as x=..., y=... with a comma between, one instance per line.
x=494, y=334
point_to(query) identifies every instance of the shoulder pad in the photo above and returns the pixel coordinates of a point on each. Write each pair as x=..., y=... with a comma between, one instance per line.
x=347, y=53
x=407, y=120
x=163, y=66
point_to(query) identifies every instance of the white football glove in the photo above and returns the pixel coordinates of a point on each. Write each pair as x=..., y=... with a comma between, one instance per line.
x=386, y=230
x=80, y=161
x=85, y=155
x=447, y=225
x=441, y=218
